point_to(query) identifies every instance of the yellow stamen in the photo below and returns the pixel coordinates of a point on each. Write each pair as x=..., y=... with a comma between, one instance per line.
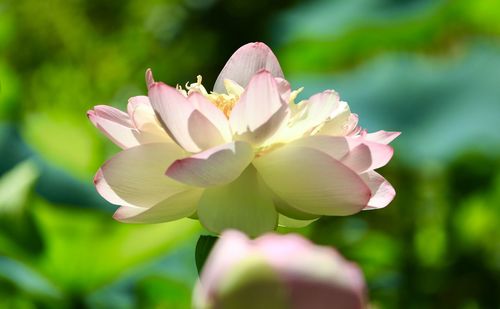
x=224, y=102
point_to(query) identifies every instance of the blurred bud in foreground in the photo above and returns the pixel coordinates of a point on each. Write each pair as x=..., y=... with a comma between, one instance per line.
x=277, y=271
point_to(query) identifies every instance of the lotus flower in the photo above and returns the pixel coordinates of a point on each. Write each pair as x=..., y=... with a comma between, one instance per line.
x=243, y=156
x=277, y=271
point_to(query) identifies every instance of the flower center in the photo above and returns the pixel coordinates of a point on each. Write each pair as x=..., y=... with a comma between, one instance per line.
x=223, y=101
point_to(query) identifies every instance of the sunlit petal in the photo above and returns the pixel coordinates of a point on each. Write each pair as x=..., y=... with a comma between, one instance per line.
x=312, y=181
x=245, y=62
x=136, y=175
x=213, y=167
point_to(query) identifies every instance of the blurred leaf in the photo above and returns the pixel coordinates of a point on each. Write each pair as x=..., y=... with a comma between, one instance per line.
x=15, y=187
x=65, y=139
x=9, y=92
x=18, y=231
x=203, y=248
x=27, y=280
x=160, y=292
x=438, y=28
x=87, y=249
x=430, y=245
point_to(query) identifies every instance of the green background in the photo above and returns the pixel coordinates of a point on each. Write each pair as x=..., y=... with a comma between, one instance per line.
x=430, y=69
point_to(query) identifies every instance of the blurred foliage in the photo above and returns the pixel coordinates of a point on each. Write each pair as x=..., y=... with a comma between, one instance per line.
x=427, y=68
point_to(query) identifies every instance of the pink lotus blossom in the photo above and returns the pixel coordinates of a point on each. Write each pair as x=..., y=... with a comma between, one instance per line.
x=277, y=271
x=243, y=156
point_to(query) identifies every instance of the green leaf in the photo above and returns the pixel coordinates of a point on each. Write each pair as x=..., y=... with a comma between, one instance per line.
x=203, y=248
x=88, y=249
x=26, y=279
x=18, y=232
x=15, y=187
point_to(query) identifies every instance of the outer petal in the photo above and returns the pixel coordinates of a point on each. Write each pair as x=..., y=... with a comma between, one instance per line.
x=382, y=137
x=382, y=191
x=245, y=62
x=260, y=110
x=346, y=149
x=293, y=223
x=175, y=207
x=136, y=176
x=312, y=181
x=243, y=204
x=213, y=167
x=115, y=124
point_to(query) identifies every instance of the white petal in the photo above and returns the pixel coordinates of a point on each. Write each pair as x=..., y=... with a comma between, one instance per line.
x=312, y=181
x=339, y=122
x=382, y=137
x=321, y=106
x=284, y=89
x=382, y=191
x=213, y=167
x=149, y=129
x=232, y=87
x=115, y=124
x=174, y=110
x=177, y=206
x=245, y=62
x=293, y=223
x=203, y=132
x=345, y=148
x=243, y=204
x=137, y=175
x=260, y=110
x=192, y=130
x=212, y=113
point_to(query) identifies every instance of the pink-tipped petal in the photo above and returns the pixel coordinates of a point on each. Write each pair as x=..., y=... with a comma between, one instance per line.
x=260, y=111
x=149, y=129
x=340, y=148
x=380, y=154
x=359, y=159
x=183, y=122
x=175, y=207
x=284, y=88
x=213, y=167
x=139, y=101
x=212, y=113
x=312, y=181
x=115, y=124
x=174, y=110
x=136, y=175
x=112, y=114
x=107, y=192
x=382, y=137
x=245, y=62
x=203, y=132
x=382, y=191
